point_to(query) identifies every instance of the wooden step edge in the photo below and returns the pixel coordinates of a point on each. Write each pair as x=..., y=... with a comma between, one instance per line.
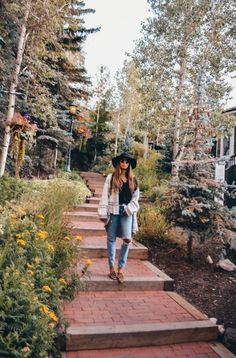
x=168, y=281
x=221, y=350
x=187, y=306
x=96, y=283
x=136, y=335
x=101, y=252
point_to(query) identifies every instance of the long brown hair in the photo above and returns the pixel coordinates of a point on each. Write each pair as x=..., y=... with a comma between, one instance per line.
x=117, y=181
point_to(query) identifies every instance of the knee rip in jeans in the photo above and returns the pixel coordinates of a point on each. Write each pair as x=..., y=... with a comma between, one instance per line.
x=126, y=241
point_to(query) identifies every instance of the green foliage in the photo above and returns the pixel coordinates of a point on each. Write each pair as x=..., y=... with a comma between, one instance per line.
x=11, y=188
x=146, y=174
x=36, y=258
x=152, y=223
x=138, y=149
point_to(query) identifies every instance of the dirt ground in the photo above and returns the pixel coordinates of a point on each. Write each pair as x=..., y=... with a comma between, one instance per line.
x=208, y=287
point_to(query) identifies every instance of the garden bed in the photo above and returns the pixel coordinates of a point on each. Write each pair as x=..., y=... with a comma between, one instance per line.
x=211, y=289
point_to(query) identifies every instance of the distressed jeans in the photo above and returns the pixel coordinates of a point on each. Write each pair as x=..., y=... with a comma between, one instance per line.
x=123, y=224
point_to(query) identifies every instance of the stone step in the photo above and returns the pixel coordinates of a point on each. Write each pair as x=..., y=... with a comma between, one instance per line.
x=102, y=320
x=82, y=216
x=181, y=350
x=139, y=275
x=96, y=247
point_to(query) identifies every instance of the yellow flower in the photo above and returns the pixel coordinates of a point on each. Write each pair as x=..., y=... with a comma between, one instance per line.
x=88, y=262
x=42, y=234
x=62, y=281
x=45, y=309
x=49, y=313
x=53, y=316
x=29, y=266
x=18, y=236
x=40, y=216
x=21, y=242
x=46, y=289
x=25, y=350
x=66, y=238
x=51, y=247
x=78, y=238
x=31, y=272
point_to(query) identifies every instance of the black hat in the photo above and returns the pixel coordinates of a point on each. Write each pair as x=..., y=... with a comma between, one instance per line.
x=132, y=161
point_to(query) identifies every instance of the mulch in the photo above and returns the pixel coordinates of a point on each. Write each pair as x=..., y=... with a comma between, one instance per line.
x=208, y=287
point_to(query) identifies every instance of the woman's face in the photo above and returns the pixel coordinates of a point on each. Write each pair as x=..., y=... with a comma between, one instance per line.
x=124, y=163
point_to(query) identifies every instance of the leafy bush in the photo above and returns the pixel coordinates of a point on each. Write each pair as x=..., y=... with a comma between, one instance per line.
x=146, y=174
x=11, y=188
x=138, y=149
x=152, y=223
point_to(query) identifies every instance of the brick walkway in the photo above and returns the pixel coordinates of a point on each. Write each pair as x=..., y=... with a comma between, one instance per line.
x=185, y=350
x=141, y=318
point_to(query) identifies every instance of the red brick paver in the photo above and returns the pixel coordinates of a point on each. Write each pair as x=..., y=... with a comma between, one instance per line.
x=133, y=307
x=185, y=350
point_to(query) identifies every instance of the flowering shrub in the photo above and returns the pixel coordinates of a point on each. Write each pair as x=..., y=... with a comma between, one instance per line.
x=36, y=270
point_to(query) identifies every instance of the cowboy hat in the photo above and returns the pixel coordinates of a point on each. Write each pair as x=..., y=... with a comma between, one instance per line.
x=125, y=155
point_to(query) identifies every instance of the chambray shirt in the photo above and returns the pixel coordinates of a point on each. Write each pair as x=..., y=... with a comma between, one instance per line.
x=109, y=204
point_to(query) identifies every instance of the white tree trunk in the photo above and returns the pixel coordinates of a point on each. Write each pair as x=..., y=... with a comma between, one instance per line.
x=117, y=132
x=12, y=93
x=145, y=143
x=174, y=171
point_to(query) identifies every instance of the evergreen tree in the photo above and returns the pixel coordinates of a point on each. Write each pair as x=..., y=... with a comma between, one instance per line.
x=43, y=71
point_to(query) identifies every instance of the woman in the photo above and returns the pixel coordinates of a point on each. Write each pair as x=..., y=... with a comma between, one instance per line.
x=118, y=208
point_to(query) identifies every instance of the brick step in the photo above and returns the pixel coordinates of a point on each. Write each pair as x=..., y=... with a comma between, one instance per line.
x=86, y=207
x=139, y=275
x=99, y=320
x=82, y=216
x=96, y=247
x=92, y=200
x=95, y=182
x=95, y=188
x=181, y=350
x=88, y=228
x=91, y=175
x=97, y=194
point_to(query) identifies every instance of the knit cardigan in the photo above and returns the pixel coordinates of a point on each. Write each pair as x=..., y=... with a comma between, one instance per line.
x=109, y=204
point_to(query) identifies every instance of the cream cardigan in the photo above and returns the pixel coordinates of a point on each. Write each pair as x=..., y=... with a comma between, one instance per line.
x=109, y=204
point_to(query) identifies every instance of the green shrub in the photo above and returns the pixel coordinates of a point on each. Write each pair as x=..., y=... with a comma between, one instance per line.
x=146, y=174
x=152, y=223
x=12, y=188
x=37, y=257
x=138, y=149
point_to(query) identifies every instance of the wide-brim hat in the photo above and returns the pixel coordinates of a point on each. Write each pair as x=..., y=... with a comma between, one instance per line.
x=116, y=160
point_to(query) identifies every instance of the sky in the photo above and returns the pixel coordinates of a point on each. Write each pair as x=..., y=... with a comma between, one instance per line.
x=120, y=22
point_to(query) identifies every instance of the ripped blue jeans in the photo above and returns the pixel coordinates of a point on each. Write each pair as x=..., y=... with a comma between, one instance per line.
x=119, y=223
